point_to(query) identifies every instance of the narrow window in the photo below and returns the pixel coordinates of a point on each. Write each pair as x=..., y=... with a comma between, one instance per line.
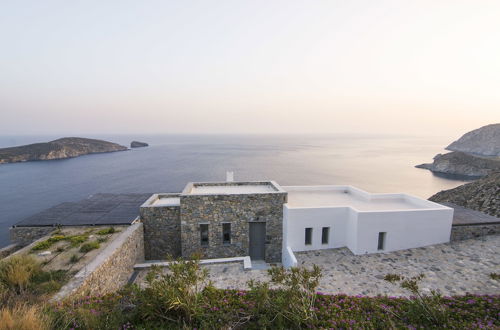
x=309, y=232
x=226, y=233
x=325, y=233
x=381, y=240
x=204, y=234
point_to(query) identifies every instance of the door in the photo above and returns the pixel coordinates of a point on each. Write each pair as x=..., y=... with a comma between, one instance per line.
x=257, y=240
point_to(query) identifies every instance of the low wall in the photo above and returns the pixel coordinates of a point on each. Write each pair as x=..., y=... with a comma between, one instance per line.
x=27, y=235
x=459, y=233
x=110, y=269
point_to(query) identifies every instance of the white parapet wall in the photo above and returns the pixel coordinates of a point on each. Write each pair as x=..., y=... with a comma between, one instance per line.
x=355, y=219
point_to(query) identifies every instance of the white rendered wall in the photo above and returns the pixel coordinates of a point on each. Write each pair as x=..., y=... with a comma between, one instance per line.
x=296, y=220
x=405, y=229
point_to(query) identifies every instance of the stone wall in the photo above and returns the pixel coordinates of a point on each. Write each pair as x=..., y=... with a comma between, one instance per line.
x=237, y=209
x=26, y=235
x=459, y=233
x=110, y=269
x=162, y=231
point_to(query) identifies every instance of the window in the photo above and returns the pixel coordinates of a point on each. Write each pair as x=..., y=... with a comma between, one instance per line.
x=226, y=233
x=325, y=233
x=309, y=232
x=381, y=240
x=204, y=234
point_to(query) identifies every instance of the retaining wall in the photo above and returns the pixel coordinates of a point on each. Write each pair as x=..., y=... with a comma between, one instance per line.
x=110, y=269
x=27, y=235
x=459, y=233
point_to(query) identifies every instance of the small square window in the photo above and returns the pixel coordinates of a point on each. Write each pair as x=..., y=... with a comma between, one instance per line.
x=309, y=232
x=226, y=233
x=204, y=234
x=325, y=233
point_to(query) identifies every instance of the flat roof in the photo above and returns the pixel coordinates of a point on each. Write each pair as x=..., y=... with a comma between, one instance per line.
x=333, y=198
x=240, y=189
x=230, y=187
x=167, y=201
x=97, y=209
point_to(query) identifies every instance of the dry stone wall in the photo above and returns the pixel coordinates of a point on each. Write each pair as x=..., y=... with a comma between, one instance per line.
x=237, y=209
x=162, y=231
x=459, y=233
x=26, y=235
x=110, y=269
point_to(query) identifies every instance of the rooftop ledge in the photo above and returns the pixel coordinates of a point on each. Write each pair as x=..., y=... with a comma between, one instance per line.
x=232, y=188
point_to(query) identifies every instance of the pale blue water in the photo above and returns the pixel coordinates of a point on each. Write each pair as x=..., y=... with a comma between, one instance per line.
x=373, y=163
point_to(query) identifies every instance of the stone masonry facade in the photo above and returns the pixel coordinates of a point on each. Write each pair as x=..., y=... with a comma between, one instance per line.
x=459, y=233
x=239, y=211
x=162, y=229
x=175, y=230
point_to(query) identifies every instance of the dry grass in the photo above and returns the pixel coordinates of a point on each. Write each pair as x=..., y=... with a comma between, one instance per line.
x=23, y=317
x=17, y=271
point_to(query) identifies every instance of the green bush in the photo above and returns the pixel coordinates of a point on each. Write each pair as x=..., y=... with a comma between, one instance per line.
x=74, y=258
x=76, y=240
x=107, y=231
x=43, y=245
x=89, y=246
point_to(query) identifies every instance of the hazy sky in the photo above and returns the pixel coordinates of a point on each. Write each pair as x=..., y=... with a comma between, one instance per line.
x=93, y=67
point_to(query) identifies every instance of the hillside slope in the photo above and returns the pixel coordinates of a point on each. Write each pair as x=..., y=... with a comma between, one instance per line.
x=481, y=195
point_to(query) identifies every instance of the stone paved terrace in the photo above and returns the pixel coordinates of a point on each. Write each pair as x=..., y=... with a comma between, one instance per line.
x=453, y=268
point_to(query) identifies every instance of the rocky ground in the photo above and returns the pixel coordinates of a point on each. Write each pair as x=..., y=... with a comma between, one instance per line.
x=452, y=268
x=481, y=195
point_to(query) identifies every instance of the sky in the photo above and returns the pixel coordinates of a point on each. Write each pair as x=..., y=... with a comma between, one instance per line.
x=253, y=67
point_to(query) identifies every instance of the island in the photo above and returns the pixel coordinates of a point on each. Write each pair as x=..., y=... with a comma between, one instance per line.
x=137, y=144
x=67, y=147
x=476, y=154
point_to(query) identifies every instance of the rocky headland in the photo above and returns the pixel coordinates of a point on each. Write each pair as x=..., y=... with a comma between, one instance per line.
x=481, y=195
x=475, y=154
x=58, y=149
x=138, y=144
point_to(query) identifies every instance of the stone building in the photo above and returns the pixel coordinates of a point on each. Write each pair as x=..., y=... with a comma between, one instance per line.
x=225, y=219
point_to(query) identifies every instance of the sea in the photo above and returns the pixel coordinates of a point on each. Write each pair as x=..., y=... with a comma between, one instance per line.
x=375, y=163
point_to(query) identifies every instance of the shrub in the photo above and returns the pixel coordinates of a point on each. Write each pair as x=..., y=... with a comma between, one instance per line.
x=76, y=240
x=495, y=276
x=74, y=258
x=428, y=310
x=107, y=231
x=175, y=295
x=17, y=271
x=89, y=246
x=43, y=245
x=23, y=317
x=293, y=299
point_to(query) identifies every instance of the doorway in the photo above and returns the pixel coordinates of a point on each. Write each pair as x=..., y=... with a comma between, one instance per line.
x=257, y=242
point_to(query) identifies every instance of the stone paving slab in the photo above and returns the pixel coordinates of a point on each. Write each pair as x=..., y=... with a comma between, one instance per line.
x=452, y=268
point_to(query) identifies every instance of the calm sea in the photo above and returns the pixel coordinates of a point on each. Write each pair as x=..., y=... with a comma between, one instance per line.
x=373, y=163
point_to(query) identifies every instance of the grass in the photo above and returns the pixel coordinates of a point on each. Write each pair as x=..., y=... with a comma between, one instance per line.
x=24, y=317
x=16, y=272
x=87, y=247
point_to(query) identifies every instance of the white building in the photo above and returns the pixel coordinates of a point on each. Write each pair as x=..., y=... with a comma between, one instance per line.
x=326, y=217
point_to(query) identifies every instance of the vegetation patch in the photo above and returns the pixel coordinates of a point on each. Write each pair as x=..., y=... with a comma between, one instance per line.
x=495, y=276
x=89, y=246
x=107, y=231
x=74, y=258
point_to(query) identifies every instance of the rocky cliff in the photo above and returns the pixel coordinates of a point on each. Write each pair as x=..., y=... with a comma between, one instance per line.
x=481, y=195
x=484, y=141
x=459, y=163
x=57, y=149
x=475, y=154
